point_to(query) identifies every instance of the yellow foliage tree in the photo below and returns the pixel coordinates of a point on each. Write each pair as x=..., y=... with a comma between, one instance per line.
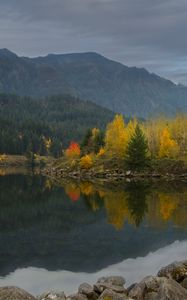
x=95, y=132
x=86, y=162
x=116, y=138
x=101, y=152
x=130, y=129
x=168, y=146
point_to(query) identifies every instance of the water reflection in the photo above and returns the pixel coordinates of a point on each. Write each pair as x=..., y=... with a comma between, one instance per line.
x=74, y=228
x=37, y=280
x=157, y=203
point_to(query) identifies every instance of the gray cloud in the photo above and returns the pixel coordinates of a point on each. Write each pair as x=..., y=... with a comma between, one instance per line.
x=145, y=33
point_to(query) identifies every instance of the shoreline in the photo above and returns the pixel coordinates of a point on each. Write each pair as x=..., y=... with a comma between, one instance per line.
x=169, y=283
x=112, y=175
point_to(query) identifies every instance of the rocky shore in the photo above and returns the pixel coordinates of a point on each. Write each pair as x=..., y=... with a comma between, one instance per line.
x=112, y=175
x=169, y=284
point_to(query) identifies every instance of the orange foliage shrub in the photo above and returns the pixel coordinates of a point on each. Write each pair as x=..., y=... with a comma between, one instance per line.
x=73, y=151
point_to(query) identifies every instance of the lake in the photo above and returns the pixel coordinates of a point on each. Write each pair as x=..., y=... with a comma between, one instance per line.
x=56, y=235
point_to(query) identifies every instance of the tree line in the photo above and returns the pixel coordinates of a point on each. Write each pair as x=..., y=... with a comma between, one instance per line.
x=45, y=126
x=134, y=143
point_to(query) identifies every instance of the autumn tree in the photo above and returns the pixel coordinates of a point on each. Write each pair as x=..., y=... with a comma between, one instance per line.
x=116, y=138
x=92, y=141
x=178, y=128
x=86, y=162
x=137, y=150
x=130, y=128
x=168, y=146
x=73, y=151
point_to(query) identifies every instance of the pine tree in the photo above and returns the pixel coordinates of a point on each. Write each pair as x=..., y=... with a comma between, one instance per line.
x=137, y=150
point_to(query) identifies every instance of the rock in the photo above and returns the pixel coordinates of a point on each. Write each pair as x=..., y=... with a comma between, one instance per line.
x=77, y=296
x=114, y=280
x=176, y=271
x=88, y=290
x=114, y=283
x=184, y=283
x=111, y=295
x=100, y=287
x=52, y=295
x=14, y=293
x=130, y=287
x=158, y=288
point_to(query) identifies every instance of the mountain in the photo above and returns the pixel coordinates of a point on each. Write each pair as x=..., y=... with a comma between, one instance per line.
x=90, y=76
x=26, y=123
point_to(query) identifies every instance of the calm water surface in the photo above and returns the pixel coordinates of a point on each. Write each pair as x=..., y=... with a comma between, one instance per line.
x=56, y=236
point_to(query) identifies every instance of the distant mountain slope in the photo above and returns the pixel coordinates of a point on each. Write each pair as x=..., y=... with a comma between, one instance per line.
x=25, y=122
x=91, y=76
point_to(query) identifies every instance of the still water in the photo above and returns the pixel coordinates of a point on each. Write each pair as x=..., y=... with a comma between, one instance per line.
x=54, y=236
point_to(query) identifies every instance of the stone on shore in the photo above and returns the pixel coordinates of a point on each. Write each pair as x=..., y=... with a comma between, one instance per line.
x=112, y=280
x=111, y=295
x=77, y=296
x=158, y=288
x=184, y=283
x=52, y=295
x=14, y=293
x=177, y=271
x=114, y=283
x=88, y=290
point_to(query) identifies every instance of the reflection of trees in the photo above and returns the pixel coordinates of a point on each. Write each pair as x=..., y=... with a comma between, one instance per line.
x=116, y=207
x=136, y=201
x=167, y=207
x=133, y=202
x=73, y=191
x=168, y=204
x=121, y=205
x=93, y=202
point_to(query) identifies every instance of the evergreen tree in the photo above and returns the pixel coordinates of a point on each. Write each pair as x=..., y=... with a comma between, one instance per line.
x=137, y=150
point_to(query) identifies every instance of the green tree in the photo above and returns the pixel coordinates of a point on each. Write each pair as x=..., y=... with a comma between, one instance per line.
x=137, y=150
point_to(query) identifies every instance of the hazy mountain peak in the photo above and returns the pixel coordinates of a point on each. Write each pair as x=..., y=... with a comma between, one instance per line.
x=6, y=52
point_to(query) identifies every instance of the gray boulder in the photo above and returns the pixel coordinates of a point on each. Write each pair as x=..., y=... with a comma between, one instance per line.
x=88, y=290
x=112, y=280
x=100, y=287
x=176, y=271
x=14, y=293
x=114, y=283
x=77, y=296
x=158, y=288
x=52, y=295
x=111, y=295
x=184, y=283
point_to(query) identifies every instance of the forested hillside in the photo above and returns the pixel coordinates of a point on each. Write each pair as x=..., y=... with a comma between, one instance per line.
x=46, y=126
x=90, y=76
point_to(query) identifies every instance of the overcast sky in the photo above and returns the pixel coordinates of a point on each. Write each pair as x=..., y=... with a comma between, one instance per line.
x=142, y=33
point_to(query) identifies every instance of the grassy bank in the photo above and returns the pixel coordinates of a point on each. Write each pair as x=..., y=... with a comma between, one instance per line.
x=115, y=169
x=22, y=161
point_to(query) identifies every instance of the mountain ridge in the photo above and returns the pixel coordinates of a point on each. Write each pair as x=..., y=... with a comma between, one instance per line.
x=91, y=76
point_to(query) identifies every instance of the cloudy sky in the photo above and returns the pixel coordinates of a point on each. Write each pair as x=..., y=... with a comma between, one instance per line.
x=143, y=33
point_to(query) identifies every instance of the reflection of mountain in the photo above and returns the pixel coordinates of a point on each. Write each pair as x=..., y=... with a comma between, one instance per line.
x=37, y=280
x=40, y=226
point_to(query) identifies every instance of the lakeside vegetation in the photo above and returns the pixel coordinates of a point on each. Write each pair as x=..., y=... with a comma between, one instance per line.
x=36, y=130
x=156, y=145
